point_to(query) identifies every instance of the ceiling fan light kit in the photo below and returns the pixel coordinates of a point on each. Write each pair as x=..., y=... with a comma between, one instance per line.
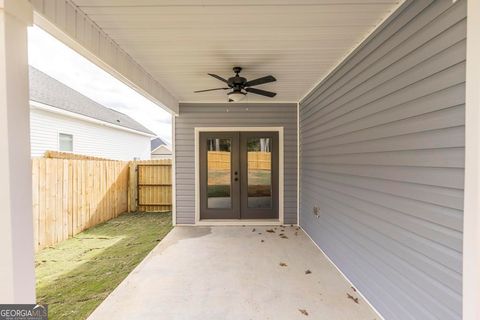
x=236, y=96
x=240, y=86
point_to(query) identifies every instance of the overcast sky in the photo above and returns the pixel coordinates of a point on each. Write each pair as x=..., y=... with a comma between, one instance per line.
x=49, y=55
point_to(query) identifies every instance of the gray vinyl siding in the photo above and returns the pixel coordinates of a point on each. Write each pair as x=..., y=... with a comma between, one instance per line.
x=382, y=155
x=193, y=115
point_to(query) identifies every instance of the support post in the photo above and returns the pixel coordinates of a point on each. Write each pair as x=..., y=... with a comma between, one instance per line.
x=17, y=271
x=471, y=217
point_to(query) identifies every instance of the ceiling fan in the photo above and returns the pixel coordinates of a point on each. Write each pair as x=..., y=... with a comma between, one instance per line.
x=240, y=86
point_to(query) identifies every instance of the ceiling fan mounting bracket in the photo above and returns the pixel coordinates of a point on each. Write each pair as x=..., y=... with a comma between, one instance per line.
x=237, y=70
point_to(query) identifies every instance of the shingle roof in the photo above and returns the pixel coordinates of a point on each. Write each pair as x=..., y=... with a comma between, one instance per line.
x=46, y=90
x=155, y=143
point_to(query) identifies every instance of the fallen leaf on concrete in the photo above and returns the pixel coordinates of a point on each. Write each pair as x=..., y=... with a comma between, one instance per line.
x=303, y=311
x=262, y=241
x=282, y=264
x=259, y=233
x=284, y=237
x=308, y=272
x=253, y=230
x=354, y=290
x=281, y=234
x=271, y=230
x=349, y=296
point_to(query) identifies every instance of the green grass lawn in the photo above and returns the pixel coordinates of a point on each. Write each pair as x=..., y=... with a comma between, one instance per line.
x=75, y=276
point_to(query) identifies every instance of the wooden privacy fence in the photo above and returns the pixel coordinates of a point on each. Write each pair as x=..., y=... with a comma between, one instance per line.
x=257, y=160
x=71, y=195
x=150, y=185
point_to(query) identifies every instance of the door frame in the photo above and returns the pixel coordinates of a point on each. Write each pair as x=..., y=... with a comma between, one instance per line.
x=280, y=219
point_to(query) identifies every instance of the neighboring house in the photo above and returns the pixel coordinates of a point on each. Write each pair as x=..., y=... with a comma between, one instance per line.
x=62, y=119
x=160, y=149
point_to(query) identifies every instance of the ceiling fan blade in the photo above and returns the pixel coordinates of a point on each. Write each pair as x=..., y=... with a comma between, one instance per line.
x=261, y=92
x=259, y=81
x=218, y=77
x=210, y=90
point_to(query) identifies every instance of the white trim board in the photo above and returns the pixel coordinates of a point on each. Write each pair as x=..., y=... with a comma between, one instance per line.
x=174, y=174
x=471, y=216
x=298, y=164
x=355, y=48
x=281, y=182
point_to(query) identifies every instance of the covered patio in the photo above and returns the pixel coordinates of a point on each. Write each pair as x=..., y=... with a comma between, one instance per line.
x=364, y=127
x=235, y=273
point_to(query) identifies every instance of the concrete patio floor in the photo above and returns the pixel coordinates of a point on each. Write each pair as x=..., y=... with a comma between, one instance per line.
x=229, y=273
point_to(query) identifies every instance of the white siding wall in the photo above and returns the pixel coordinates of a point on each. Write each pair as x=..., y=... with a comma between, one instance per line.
x=88, y=138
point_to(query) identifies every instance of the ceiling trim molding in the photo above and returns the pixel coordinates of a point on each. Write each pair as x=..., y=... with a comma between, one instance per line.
x=401, y=5
x=238, y=103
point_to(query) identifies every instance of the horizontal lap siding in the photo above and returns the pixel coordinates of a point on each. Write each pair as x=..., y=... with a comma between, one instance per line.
x=232, y=115
x=382, y=155
x=90, y=139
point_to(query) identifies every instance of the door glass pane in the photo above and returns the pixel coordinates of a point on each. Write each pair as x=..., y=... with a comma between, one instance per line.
x=219, y=160
x=259, y=172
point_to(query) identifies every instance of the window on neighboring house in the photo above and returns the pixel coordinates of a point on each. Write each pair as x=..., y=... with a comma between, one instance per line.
x=65, y=142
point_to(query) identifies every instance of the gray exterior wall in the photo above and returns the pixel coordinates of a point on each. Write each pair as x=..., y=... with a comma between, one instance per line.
x=382, y=156
x=231, y=115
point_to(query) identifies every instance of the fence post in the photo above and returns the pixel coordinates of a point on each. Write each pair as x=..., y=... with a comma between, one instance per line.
x=132, y=187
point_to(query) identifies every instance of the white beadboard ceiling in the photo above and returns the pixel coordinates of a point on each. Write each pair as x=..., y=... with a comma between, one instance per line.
x=179, y=41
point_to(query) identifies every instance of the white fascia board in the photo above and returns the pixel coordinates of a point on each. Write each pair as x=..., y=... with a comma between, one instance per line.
x=65, y=21
x=46, y=107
